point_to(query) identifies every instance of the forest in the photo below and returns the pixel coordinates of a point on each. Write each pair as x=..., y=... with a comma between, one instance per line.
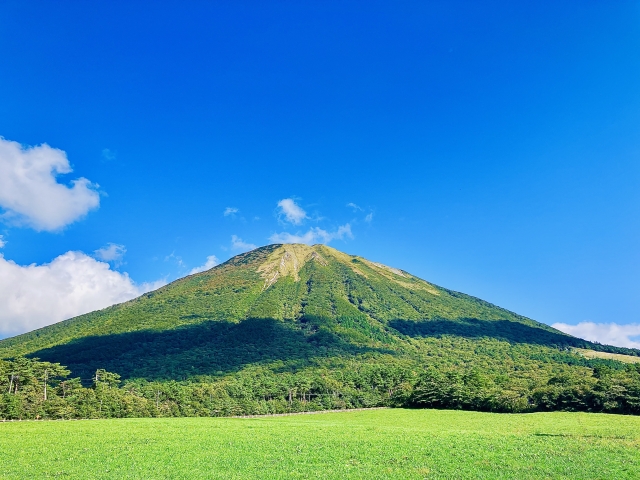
x=34, y=389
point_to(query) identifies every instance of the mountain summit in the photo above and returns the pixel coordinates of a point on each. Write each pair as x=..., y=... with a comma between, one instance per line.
x=286, y=303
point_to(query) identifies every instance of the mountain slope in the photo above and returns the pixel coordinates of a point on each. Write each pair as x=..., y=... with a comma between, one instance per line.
x=288, y=328
x=279, y=303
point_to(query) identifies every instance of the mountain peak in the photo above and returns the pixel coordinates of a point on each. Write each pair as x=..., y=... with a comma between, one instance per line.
x=287, y=260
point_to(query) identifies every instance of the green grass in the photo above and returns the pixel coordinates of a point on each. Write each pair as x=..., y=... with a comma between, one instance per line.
x=606, y=355
x=365, y=444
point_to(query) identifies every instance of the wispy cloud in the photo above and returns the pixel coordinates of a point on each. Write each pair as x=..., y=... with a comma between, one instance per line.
x=3, y=242
x=291, y=211
x=230, y=211
x=30, y=193
x=211, y=262
x=357, y=208
x=111, y=252
x=606, y=333
x=313, y=235
x=176, y=258
x=238, y=244
x=108, y=155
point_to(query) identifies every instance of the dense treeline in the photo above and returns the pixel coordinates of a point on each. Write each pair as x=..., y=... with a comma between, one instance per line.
x=42, y=390
x=606, y=390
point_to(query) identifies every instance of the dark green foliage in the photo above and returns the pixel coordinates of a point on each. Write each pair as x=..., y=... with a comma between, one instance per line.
x=291, y=328
x=367, y=380
x=203, y=349
x=508, y=330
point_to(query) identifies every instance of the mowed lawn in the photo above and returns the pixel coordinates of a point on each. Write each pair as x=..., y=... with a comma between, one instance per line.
x=363, y=444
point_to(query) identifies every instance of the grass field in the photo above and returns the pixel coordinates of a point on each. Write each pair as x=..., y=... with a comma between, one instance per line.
x=606, y=355
x=364, y=444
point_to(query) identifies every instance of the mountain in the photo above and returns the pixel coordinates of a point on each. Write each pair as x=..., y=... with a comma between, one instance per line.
x=280, y=303
x=288, y=328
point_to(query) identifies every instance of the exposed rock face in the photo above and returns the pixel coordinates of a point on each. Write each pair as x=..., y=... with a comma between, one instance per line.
x=287, y=260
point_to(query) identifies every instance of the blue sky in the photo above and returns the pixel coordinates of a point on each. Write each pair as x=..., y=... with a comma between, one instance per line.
x=489, y=147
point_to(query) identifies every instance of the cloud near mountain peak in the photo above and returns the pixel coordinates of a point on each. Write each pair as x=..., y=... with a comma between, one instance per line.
x=313, y=235
x=291, y=211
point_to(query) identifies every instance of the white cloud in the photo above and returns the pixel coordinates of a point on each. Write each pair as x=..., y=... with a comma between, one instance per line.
x=3, y=242
x=354, y=206
x=112, y=252
x=30, y=193
x=313, y=235
x=606, y=333
x=230, y=211
x=292, y=212
x=285, y=237
x=238, y=244
x=211, y=262
x=74, y=283
x=369, y=218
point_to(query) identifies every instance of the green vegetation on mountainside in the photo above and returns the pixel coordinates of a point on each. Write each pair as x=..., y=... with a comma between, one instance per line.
x=291, y=328
x=304, y=290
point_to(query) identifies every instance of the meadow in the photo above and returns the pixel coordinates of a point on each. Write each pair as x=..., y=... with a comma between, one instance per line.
x=388, y=443
x=607, y=355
